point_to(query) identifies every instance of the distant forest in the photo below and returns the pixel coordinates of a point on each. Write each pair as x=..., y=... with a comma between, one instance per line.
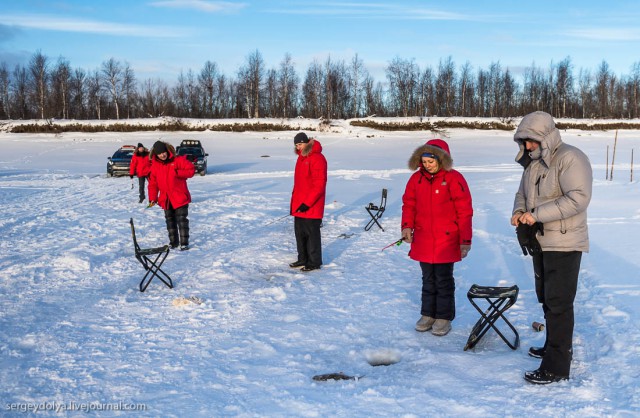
x=333, y=89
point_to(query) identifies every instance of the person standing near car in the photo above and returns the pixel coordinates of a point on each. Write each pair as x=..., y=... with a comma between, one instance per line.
x=168, y=188
x=552, y=200
x=141, y=167
x=436, y=220
x=307, y=201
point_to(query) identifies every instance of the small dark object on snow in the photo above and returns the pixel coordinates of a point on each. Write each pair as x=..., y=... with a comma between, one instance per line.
x=538, y=326
x=334, y=376
x=345, y=236
x=265, y=156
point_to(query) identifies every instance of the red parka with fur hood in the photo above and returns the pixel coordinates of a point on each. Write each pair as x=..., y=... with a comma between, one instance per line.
x=168, y=180
x=309, y=181
x=437, y=207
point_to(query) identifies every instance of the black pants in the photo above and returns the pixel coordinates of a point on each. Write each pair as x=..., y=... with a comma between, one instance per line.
x=308, y=241
x=556, y=275
x=177, y=224
x=141, y=181
x=438, y=291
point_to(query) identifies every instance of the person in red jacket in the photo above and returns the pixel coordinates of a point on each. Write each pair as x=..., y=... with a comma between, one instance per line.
x=307, y=201
x=436, y=220
x=168, y=188
x=141, y=167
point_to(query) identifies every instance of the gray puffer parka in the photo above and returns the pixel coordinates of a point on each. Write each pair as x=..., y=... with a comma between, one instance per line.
x=556, y=188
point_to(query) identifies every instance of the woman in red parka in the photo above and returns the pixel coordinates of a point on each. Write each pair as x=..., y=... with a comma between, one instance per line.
x=168, y=188
x=307, y=201
x=436, y=220
x=141, y=167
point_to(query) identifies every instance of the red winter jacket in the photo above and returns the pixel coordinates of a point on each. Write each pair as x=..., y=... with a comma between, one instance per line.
x=140, y=164
x=169, y=179
x=438, y=209
x=309, y=181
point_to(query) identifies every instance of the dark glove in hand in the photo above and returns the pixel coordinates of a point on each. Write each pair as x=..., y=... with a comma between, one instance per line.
x=130, y=176
x=527, y=238
x=302, y=208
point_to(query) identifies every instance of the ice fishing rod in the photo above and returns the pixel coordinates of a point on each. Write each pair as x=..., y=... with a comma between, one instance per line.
x=398, y=242
x=277, y=220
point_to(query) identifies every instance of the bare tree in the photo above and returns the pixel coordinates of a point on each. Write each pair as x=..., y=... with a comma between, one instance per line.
x=603, y=80
x=39, y=71
x=585, y=93
x=20, y=91
x=155, y=98
x=113, y=76
x=94, y=93
x=77, y=94
x=4, y=90
x=207, y=82
x=60, y=78
x=254, y=76
x=128, y=87
x=564, y=87
x=271, y=94
x=465, y=90
x=287, y=87
x=445, y=87
x=357, y=73
x=403, y=79
x=312, y=91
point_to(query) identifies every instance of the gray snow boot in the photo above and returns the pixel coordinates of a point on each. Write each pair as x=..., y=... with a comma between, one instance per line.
x=424, y=323
x=441, y=327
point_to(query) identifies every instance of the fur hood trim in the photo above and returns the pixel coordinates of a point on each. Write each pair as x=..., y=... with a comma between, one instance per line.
x=308, y=147
x=437, y=147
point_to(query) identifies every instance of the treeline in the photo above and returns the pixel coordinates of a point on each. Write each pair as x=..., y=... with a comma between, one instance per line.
x=333, y=89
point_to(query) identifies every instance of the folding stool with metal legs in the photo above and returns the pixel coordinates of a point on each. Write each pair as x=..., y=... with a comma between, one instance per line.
x=499, y=299
x=376, y=212
x=151, y=265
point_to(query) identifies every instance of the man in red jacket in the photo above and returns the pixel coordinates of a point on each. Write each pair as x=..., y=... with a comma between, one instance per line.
x=307, y=201
x=141, y=167
x=168, y=188
x=436, y=220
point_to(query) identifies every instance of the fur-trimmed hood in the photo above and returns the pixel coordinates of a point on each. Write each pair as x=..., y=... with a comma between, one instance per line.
x=170, y=150
x=311, y=146
x=437, y=147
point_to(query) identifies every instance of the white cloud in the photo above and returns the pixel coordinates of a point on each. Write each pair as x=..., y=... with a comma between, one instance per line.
x=201, y=5
x=606, y=34
x=65, y=24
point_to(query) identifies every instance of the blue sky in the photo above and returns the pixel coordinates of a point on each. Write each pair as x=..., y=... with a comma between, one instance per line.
x=159, y=38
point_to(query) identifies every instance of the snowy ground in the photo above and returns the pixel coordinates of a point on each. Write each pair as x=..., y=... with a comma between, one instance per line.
x=74, y=327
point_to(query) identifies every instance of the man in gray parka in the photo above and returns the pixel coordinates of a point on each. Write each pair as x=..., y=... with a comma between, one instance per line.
x=553, y=196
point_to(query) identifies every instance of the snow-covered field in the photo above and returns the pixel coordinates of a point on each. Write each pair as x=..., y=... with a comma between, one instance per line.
x=75, y=331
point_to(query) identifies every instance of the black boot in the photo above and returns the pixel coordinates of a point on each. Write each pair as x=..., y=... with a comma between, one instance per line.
x=537, y=352
x=543, y=377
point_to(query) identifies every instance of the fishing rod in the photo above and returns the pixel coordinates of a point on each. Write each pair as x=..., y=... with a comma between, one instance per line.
x=397, y=243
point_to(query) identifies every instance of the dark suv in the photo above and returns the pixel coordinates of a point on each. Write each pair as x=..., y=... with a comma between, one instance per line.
x=119, y=163
x=192, y=149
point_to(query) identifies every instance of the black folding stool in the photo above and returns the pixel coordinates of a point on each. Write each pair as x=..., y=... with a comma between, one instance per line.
x=500, y=299
x=376, y=211
x=150, y=264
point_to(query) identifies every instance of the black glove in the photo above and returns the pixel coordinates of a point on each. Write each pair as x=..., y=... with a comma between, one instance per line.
x=131, y=176
x=527, y=238
x=302, y=208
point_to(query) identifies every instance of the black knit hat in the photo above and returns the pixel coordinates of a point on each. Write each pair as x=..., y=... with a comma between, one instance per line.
x=301, y=138
x=159, y=147
x=140, y=145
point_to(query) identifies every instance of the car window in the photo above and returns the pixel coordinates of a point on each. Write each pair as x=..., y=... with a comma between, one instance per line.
x=191, y=151
x=123, y=154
